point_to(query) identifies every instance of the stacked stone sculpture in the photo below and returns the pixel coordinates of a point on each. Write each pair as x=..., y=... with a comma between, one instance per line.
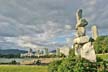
x=82, y=44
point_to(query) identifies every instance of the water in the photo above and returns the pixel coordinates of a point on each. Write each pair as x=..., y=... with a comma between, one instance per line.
x=7, y=60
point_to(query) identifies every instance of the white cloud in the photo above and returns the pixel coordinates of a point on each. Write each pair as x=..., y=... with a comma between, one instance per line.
x=68, y=27
x=35, y=23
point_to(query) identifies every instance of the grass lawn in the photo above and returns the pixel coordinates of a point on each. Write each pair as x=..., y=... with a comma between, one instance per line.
x=103, y=56
x=19, y=68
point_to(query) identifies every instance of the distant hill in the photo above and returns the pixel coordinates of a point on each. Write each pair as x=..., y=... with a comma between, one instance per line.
x=53, y=51
x=12, y=51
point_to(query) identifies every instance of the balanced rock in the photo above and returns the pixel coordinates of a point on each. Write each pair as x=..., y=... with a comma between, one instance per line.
x=81, y=40
x=80, y=31
x=81, y=23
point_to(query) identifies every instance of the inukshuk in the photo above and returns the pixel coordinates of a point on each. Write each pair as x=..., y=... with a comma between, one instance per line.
x=82, y=44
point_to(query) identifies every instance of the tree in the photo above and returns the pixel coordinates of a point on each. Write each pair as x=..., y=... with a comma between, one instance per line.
x=101, y=44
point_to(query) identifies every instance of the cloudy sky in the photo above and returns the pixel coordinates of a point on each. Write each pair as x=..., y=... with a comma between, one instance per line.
x=47, y=23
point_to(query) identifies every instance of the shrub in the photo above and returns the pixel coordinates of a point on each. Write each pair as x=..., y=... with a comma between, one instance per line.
x=77, y=64
x=67, y=65
x=53, y=67
x=13, y=62
x=101, y=44
x=38, y=62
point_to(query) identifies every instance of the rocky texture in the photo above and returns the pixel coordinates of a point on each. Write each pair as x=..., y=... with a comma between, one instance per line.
x=87, y=51
x=80, y=31
x=79, y=15
x=82, y=44
x=94, y=32
x=77, y=49
x=81, y=23
x=81, y=40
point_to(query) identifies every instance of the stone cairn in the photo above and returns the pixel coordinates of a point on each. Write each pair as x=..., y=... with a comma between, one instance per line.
x=82, y=43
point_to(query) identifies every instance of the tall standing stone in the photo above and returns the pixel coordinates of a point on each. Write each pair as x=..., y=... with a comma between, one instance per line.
x=94, y=32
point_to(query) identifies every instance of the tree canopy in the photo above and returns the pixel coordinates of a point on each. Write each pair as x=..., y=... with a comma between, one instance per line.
x=101, y=44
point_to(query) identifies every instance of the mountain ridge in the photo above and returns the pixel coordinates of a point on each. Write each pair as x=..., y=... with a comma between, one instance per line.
x=12, y=51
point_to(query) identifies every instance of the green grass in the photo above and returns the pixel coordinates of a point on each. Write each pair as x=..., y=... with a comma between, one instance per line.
x=19, y=68
x=103, y=56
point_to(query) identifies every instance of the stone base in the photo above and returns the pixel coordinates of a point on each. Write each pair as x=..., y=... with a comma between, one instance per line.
x=88, y=52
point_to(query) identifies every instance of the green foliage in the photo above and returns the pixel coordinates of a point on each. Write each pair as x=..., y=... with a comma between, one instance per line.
x=103, y=56
x=13, y=62
x=38, y=62
x=67, y=65
x=78, y=64
x=72, y=53
x=101, y=44
x=99, y=59
x=54, y=66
